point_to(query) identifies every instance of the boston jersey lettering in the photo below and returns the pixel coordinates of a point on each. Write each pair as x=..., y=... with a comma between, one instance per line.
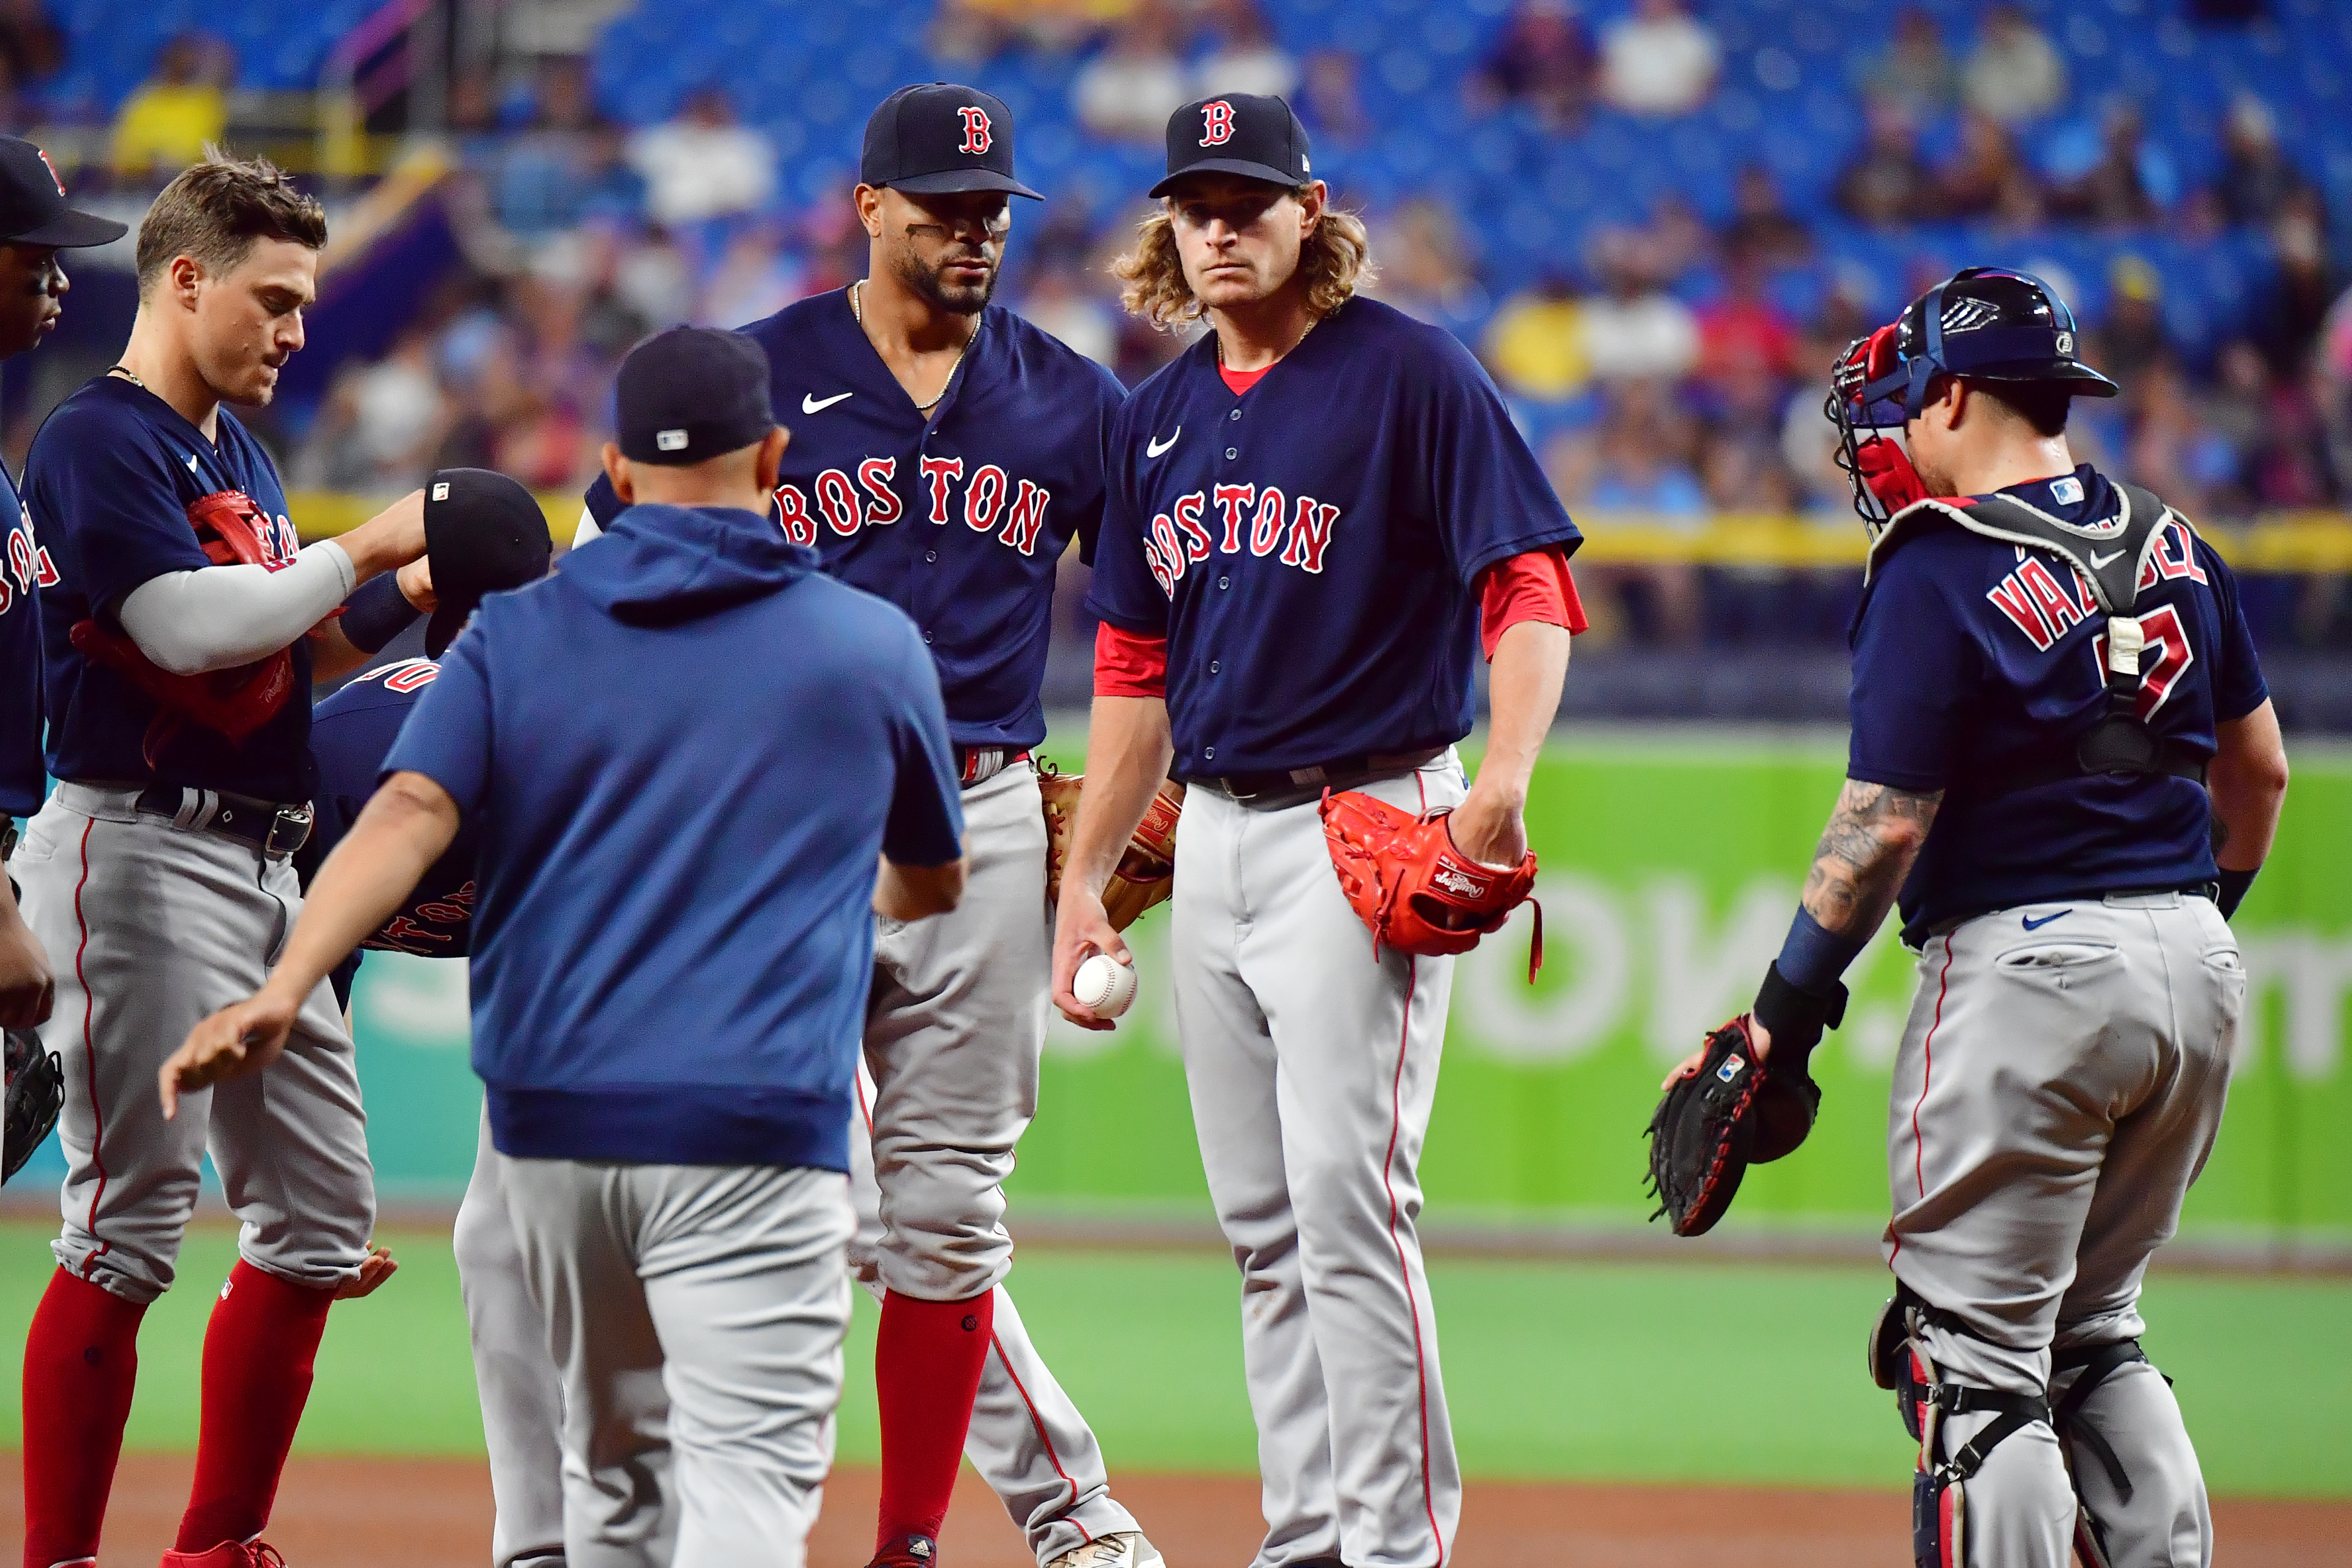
x=961, y=519
x=1317, y=592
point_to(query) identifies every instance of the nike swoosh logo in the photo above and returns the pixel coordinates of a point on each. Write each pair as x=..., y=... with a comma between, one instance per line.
x=1153, y=448
x=812, y=404
x=192, y=462
x=2099, y=561
x=2032, y=924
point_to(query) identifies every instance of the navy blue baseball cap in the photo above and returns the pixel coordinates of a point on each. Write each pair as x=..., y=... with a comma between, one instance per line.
x=939, y=139
x=32, y=208
x=484, y=534
x=1237, y=133
x=691, y=394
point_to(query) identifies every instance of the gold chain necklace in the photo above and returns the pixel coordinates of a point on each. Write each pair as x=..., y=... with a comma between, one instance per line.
x=1312, y=323
x=857, y=312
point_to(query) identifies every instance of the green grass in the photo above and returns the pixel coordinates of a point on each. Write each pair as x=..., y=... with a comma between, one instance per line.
x=1660, y=1371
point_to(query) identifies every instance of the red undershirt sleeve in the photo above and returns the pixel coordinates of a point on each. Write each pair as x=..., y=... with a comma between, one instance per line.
x=1536, y=586
x=1127, y=663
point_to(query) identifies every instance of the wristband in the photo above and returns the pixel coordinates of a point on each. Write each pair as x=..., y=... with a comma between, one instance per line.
x=1795, y=1018
x=377, y=613
x=1814, y=957
x=2233, y=886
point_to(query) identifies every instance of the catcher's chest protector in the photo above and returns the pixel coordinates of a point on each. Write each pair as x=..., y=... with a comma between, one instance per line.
x=2112, y=557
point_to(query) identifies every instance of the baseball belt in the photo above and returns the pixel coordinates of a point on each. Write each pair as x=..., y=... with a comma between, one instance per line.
x=275, y=828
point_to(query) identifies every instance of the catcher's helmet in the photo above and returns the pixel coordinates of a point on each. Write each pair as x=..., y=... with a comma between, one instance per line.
x=1983, y=323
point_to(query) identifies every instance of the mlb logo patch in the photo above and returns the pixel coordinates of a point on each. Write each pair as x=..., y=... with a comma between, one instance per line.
x=1731, y=1068
x=2067, y=491
x=441, y=490
x=670, y=440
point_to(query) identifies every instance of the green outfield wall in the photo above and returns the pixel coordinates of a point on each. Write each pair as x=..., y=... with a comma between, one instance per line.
x=1670, y=865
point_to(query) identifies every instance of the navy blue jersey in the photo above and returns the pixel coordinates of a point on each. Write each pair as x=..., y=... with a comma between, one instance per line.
x=109, y=481
x=23, y=571
x=959, y=519
x=351, y=732
x=1972, y=657
x=1310, y=548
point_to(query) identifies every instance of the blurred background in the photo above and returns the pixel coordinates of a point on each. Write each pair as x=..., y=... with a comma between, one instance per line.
x=1655, y=220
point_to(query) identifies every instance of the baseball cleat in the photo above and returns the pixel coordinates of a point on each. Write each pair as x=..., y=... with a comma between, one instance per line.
x=229, y=1554
x=1128, y=1549
x=911, y=1552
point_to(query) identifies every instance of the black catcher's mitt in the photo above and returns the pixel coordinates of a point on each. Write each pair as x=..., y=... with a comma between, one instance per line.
x=1714, y=1124
x=37, y=1092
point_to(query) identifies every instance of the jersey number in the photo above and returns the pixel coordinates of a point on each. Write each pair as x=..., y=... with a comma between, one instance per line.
x=2166, y=658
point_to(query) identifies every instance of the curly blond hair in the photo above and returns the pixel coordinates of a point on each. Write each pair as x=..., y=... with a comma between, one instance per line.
x=1335, y=258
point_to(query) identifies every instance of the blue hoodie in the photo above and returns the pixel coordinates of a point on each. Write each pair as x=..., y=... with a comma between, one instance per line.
x=683, y=752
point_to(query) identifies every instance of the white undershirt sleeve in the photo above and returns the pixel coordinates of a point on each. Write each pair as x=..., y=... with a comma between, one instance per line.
x=220, y=616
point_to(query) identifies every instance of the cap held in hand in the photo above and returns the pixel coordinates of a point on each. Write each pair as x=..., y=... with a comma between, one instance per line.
x=484, y=534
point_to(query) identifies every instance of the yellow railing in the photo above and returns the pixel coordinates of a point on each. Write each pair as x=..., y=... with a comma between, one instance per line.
x=2294, y=541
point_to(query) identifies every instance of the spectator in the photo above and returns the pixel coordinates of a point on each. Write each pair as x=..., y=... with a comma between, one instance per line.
x=2014, y=74
x=31, y=46
x=1329, y=101
x=567, y=167
x=1888, y=183
x=654, y=279
x=1659, y=60
x=1543, y=58
x=2113, y=190
x=1423, y=271
x=1762, y=227
x=703, y=164
x=1127, y=92
x=166, y=123
x=1639, y=467
x=757, y=276
x=1742, y=332
x=1985, y=178
x=2299, y=239
x=1914, y=69
x=1245, y=57
x=1535, y=344
x=2132, y=340
x=1636, y=331
x=1056, y=302
x=1675, y=240
x=2257, y=179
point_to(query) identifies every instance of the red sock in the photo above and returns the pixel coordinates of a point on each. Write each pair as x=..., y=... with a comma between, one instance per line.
x=81, y=1360
x=927, y=1365
x=258, y=1351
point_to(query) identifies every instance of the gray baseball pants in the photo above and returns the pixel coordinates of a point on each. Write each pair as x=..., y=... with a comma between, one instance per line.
x=696, y=1314
x=153, y=927
x=1027, y=1439
x=2059, y=1087
x=1313, y=1069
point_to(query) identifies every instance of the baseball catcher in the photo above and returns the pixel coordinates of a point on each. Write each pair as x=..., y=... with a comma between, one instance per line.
x=2064, y=772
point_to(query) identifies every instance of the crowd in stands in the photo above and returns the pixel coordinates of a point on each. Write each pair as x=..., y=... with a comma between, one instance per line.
x=1670, y=368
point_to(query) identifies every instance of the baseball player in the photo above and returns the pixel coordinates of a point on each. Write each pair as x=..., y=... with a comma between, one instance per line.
x=1311, y=513
x=181, y=628
x=35, y=223
x=672, y=953
x=945, y=452
x=2065, y=772
x=485, y=533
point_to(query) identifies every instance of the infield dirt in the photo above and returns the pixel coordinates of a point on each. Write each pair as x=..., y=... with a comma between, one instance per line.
x=336, y=1512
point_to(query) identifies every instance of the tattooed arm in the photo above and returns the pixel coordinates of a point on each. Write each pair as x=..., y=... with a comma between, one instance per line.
x=1865, y=854
x=1859, y=865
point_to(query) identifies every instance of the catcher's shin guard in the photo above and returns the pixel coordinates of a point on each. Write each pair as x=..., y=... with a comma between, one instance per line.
x=1900, y=1361
x=2097, y=1363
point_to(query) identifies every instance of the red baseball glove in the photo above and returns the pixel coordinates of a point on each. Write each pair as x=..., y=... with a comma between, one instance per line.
x=1415, y=890
x=233, y=702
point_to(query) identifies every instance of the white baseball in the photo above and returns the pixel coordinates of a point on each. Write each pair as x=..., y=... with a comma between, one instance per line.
x=1104, y=987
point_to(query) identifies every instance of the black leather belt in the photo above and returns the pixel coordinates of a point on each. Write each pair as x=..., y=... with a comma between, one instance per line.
x=1276, y=786
x=271, y=826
